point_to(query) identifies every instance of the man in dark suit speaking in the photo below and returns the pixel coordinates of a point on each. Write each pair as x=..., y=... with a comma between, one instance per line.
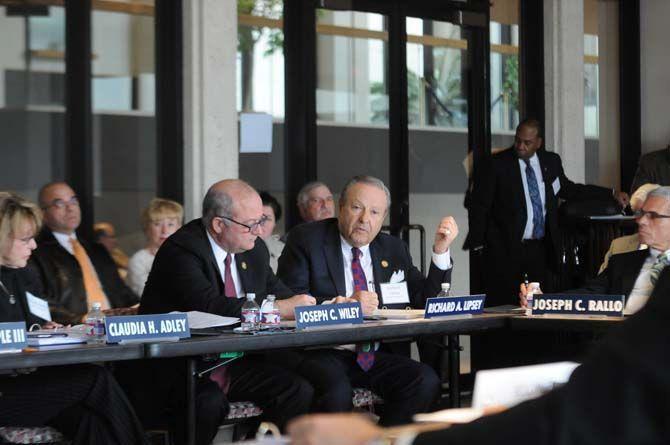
x=346, y=259
x=209, y=265
x=513, y=213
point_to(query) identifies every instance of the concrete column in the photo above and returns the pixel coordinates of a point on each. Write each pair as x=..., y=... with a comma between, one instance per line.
x=210, y=115
x=564, y=83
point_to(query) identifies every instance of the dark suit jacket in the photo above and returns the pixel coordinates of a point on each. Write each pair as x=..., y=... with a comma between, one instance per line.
x=185, y=276
x=312, y=263
x=620, y=395
x=497, y=207
x=17, y=282
x=654, y=168
x=619, y=276
x=63, y=283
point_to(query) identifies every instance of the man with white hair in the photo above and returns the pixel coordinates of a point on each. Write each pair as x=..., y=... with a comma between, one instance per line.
x=636, y=273
x=315, y=202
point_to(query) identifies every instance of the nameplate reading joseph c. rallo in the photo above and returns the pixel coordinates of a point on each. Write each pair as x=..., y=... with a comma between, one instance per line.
x=561, y=304
x=328, y=314
x=462, y=305
x=12, y=336
x=147, y=327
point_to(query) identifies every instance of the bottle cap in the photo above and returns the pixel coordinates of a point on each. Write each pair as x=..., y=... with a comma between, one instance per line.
x=251, y=296
x=446, y=286
x=271, y=297
x=96, y=306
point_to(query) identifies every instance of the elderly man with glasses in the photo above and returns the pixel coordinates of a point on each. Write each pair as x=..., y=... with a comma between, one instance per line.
x=210, y=265
x=74, y=272
x=636, y=273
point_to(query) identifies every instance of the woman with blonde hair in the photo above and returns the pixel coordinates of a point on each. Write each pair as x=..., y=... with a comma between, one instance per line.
x=160, y=219
x=83, y=402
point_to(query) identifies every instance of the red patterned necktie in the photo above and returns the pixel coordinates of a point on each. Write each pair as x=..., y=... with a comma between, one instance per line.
x=365, y=355
x=229, y=284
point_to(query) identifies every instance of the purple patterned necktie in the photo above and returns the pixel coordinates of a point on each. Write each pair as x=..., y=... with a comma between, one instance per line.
x=365, y=355
x=229, y=284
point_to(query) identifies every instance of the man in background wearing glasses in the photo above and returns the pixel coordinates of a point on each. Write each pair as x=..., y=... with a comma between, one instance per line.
x=209, y=265
x=74, y=272
x=636, y=273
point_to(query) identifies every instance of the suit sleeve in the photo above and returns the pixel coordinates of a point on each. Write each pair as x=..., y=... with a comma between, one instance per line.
x=643, y=175
x=421, y=288
x=573, y=191
x=273, y=284
x=293, y=267
x=38, y=272
x=179, y=276
x=480, y=205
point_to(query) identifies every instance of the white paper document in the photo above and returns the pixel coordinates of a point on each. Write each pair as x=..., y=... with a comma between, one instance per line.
x=394, y=293
x=399, y=314
x=202, y=320
x=38, y=307
x=511, y=386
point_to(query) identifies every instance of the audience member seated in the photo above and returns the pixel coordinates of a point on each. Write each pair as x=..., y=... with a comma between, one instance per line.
x=272, y=210
x=83, y=402
x=347, y=259
x=160, y=219
x=636, y=274
x=653, y=168
x=74, y=273
x=210, y=265
x=105, y=234
x=629, y=243
x=315, y=202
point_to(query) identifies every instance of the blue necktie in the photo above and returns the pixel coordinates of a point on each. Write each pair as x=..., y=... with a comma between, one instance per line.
x=536, y=201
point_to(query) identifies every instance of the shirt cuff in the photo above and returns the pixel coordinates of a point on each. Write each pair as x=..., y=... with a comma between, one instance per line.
x=442, y=260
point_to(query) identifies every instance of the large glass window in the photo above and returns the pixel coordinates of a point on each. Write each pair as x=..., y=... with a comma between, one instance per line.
x=504, y=31
x=591, y=83
x=124, y=124
x=31, y=97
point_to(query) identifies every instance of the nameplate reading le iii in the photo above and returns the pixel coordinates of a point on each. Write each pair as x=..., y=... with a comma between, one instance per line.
x=147, y=327
x=328, y=314
x=461, y=305
x=561, y=304
x=12, y=336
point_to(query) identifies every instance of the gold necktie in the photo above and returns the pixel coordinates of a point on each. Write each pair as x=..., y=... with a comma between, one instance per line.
x=94, y=292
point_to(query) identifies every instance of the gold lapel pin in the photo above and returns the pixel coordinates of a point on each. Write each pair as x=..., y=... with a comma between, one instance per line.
x=385, y=264
x=244, y=265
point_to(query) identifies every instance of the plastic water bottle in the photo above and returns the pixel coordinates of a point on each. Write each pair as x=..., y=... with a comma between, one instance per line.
x=270, y=312
x=531, y=289
x=250, y=313
x=95, y=324
x=446, y=290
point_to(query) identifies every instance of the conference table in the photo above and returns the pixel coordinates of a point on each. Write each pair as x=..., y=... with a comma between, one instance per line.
x=390, y=330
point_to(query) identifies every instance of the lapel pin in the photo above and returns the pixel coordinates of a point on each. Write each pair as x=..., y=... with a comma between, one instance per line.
x=385, y=264
x=244, y=265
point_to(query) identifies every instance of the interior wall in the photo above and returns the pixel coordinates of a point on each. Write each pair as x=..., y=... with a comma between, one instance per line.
x=655, y=74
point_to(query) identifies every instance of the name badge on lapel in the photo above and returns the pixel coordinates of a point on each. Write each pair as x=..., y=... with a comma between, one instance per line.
x=395, y=291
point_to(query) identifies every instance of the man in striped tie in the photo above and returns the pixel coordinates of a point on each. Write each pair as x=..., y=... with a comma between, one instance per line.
x=635, y=274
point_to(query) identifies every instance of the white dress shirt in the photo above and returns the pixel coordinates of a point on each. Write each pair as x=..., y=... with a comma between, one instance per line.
x=64, y=240
x=220, y=256
x=642, y=288
x=535, y=165
x=442, y=261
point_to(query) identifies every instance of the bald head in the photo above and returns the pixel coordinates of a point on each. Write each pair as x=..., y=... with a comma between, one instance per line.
x=230, y=207
x=61, y=207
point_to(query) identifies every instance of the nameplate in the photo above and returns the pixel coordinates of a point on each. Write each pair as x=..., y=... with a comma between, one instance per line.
x=446, y=306
x=328, y=314
x=560, y=304
x=13, y=336
x=146, y=327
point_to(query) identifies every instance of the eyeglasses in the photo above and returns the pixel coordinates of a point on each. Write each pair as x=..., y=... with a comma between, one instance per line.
x=652, y=215
x=250, y=227
x=61, y=204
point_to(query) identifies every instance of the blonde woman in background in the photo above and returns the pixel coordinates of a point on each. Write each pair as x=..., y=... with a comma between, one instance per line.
x=160, y=219
x=629, y=243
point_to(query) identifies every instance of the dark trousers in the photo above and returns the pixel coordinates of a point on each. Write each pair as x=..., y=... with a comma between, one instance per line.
x=281, y=394
x=407, y=387
x=84, y=402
